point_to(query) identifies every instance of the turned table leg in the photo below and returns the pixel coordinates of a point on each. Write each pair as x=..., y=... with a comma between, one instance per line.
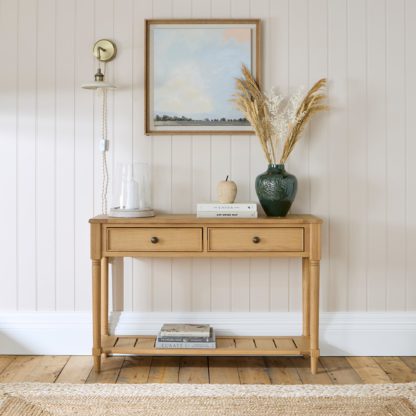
x=104, y=296
x=306, y=297
x=314, y=310
x=96, y=313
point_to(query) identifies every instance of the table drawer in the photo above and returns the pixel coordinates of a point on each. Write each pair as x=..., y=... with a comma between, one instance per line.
x=256, y=239
x=154, y=239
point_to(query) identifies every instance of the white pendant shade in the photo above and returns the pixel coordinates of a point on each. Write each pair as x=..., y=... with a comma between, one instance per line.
x=95, y=85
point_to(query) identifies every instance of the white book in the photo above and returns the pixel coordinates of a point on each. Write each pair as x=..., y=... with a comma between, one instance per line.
x=226, y=214
x=226, y=207
x=185, y=330
x=180, y=343
x=191, y=345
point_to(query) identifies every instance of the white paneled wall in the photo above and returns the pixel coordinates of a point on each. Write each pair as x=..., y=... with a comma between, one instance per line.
x=355, y=164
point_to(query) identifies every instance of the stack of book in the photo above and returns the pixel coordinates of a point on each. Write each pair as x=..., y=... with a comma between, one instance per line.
x=186, y=336
x=217, y=210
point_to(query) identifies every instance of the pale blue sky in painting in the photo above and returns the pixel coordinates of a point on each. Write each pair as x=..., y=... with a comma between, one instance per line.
x=194, y=70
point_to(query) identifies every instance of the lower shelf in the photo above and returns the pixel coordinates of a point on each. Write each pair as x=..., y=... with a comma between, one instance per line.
x=145, y=345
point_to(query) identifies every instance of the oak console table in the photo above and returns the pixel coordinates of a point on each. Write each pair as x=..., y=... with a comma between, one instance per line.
x=188, y=236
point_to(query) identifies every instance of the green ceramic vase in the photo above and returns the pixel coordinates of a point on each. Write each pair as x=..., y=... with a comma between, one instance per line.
x=276, y=190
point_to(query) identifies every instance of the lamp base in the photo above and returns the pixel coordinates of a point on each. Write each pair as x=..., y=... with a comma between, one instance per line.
x=131, y=213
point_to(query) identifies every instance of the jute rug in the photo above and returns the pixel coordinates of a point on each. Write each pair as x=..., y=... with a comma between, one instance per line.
x=180, y=399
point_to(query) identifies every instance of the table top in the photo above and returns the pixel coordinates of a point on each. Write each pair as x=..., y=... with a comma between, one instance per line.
x=192, y=219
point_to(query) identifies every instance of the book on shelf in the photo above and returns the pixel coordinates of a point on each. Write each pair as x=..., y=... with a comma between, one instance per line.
x=218, y=207
x=182, y=339
x=184, y=342
x=185, y=330
x=226, y=214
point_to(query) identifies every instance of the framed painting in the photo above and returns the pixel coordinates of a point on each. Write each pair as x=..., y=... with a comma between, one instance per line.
x=190, y=71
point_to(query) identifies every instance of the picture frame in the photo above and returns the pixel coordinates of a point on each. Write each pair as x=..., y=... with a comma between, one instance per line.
x=190, y=71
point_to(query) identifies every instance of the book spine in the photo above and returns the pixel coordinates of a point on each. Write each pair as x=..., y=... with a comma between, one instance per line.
x=183, y=339
x=163, y=334
x=176, y=335
x=227, y=214
x=195, y=345
x=226, y=207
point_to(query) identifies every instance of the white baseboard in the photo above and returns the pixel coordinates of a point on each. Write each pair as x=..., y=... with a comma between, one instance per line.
x=45, y=333
x=66, y=333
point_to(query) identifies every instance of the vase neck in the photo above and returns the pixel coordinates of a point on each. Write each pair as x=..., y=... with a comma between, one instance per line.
x=278, y=167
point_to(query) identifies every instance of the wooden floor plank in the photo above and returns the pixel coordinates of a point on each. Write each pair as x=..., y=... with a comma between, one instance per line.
x=252, y=370
x=223, y=370
x=303, y=365
x=110, y=369
x=164, y=370
x=135, y=370
x=194, y=370
x=5, y=360
x=396, y=369
x=368, y=370
x=76, y=370
x=42, y=369
x=218, y=370
x=410, y=362
x=282, y=371
x=340, y=370
x=18, y=369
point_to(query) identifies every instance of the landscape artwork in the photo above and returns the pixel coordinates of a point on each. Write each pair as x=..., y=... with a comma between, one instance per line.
x=191, y=73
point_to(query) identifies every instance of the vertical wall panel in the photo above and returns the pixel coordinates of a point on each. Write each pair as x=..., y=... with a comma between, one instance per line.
x=181, y=285
x=45, y=156
x=84, y=150
x=201, y=285
x=26, y=157
x=376, y=156
x=357, y=154
x=338, y=155
x=410, y=132
x=396, y=156
x=9, y=112
x=65, y=157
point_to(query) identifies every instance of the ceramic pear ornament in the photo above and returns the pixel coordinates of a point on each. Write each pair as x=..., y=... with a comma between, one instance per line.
x=226, y=191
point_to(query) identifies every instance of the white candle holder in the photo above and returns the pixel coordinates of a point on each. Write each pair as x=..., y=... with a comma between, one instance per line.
x=132, y=191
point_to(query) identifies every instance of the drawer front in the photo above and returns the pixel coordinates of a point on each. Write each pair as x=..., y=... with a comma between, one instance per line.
x=256, y=239
x=154, y=239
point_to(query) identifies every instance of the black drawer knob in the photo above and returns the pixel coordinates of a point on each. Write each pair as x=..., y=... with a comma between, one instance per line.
x=154, y=240
x=256, y=240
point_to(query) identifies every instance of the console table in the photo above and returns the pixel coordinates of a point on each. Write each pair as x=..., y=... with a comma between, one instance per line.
x=188, y=236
